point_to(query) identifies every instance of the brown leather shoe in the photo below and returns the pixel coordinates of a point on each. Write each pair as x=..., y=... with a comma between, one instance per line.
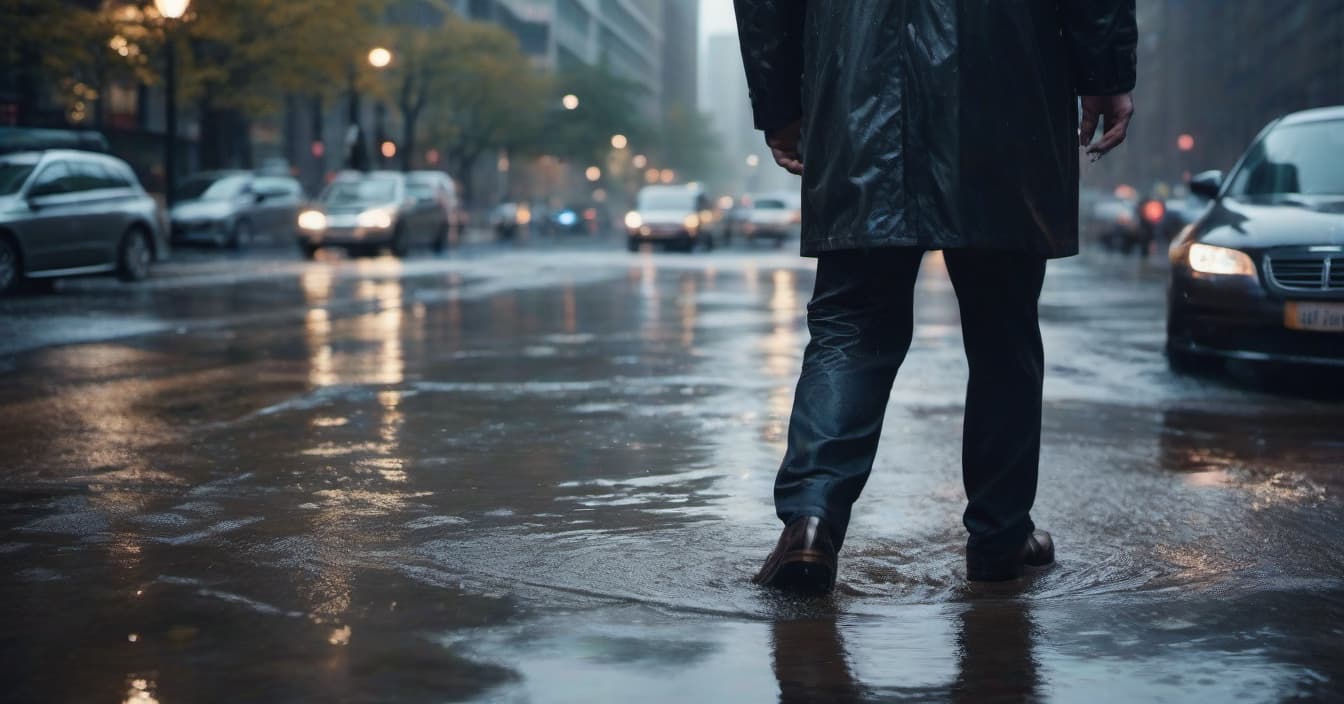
x=1038, y=551
x=803, y=561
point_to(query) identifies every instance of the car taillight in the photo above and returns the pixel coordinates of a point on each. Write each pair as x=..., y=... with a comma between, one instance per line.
x=1153, y=212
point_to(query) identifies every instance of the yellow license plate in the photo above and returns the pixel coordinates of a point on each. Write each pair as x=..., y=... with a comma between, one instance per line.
x=1321, y=317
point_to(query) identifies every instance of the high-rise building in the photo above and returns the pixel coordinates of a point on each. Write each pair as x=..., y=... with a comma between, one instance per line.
x=1215, y=72
x=627, y=36
x=750, y=166
x=681, y=48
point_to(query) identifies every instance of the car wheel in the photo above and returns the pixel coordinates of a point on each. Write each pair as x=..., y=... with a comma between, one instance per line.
x=400, y=248
x=11, y=269
x=440, y=240
x=240, y=237
x=632, y=244
x=134, y=255
x=1184, y=362
x=309, y=251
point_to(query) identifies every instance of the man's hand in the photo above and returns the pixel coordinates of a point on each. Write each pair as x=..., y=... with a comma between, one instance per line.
x=783, y=144
x=1116, y=111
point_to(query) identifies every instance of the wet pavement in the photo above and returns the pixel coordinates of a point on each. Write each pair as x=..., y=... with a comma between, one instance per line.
x=544, y=475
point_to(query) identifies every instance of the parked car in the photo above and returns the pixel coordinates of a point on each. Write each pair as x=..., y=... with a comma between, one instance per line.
x=1113, y=223
x=506, y=219
x=677, y=217
x=437, y=189
x=772, y=216
x=65, y=213
x=1260, y=275
x=14, y=140
x=235, y=208
x=368, y=213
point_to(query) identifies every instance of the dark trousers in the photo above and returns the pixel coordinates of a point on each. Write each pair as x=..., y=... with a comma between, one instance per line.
x=862, y=319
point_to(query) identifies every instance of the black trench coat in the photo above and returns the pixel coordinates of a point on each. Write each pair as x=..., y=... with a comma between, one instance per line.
x=936, y=123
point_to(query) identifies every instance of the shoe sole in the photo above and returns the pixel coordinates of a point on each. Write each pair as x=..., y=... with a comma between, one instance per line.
x=802, y=577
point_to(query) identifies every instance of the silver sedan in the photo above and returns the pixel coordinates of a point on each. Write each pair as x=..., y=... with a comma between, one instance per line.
x=67, y=213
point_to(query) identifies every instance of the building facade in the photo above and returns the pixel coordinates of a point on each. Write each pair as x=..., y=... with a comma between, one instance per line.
x=1218, y=71
x=627, y=36
x=749, y=167
x=681, y=50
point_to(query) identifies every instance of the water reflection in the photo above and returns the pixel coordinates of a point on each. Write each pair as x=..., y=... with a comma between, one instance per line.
x=811, y=663
x=140, y=691
x=381, y=328
x=996, y=661
x=687, y=310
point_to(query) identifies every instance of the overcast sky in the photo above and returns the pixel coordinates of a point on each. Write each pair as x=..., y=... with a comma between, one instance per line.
x=716, y=17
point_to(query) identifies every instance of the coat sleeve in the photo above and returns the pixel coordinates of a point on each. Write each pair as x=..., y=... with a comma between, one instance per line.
x=1102, y=36
x=771, y=32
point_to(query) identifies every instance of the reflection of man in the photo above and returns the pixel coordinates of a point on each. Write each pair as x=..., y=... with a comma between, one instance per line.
x=811, y=664
x=997, y=663
x=994, y=645
x=938, y=124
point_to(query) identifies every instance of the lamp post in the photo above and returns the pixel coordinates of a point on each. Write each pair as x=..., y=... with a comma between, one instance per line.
x=357, y=150
x=171, y=11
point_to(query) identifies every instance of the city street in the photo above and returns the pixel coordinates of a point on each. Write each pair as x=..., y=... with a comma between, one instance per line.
x=543, y=473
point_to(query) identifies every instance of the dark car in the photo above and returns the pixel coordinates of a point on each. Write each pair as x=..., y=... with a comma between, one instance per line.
x=435, y=195
x=65, y=213
x=1113, y=222
x=368, y=213
x=234, y=208
x=1260, y=276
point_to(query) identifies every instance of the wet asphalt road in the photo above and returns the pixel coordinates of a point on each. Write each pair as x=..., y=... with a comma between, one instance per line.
x=544, y=475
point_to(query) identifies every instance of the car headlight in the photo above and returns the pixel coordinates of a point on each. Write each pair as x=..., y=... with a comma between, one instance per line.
x=312, y=220
x=376, y=219
x=633, y=220
x=1208, y=259
x=691, y=223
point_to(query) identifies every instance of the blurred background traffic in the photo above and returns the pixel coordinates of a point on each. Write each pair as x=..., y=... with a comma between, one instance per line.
x=371, y=127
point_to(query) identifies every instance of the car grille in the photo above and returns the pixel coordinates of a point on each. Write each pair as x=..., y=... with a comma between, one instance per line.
x=1306, y=272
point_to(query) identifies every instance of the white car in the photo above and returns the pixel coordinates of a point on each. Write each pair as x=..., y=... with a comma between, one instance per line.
x=676, y=217
x=772, y=216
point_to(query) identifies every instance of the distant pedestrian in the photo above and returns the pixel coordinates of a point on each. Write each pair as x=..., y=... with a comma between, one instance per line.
x=929, y=125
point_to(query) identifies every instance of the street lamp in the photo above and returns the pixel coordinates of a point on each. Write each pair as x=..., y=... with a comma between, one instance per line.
x=571, y=102
x=619, y=141
x=171, y=11
x=380, y=57
x=357, y=155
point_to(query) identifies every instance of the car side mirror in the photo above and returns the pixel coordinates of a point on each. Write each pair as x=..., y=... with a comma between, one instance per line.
x=1207, y=184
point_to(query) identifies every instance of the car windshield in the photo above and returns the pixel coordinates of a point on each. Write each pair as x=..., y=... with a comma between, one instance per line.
x=769, y=204
x=420, y=190
x=1305, y=159
x=12, y=176
x=212, y=187
x=667, y=200
x=362, y=192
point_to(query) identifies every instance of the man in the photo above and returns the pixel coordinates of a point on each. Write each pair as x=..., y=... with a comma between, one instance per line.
x=922, y=125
